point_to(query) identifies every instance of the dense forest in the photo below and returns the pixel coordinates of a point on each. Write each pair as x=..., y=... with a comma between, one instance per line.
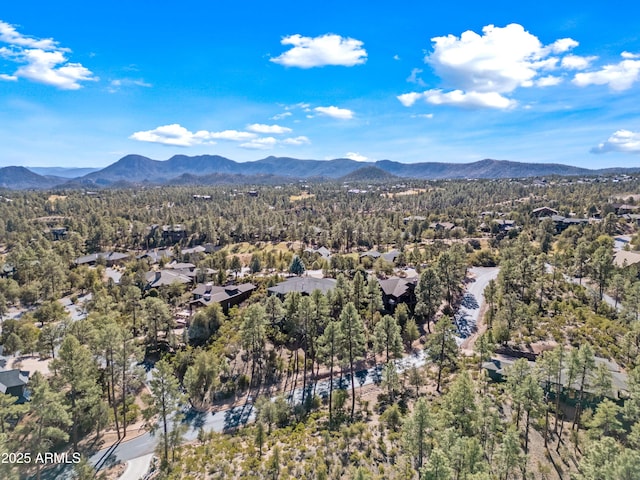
x=374, y=373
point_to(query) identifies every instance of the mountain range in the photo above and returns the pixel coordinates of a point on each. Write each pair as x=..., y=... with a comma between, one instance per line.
x=214, y=169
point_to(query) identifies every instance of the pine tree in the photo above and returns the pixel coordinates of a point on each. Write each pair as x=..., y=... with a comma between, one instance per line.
x=416, y=433
x=296, y=266
x=164, y=401
x=353, y=344
x=253, y=334
x=388, y=338
x=77, y=371
x=48, y=419
x=428, y=296
x=329, y=343
x=441, y=347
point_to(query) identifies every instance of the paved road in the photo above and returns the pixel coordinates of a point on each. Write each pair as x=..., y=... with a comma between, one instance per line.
x=468, y=314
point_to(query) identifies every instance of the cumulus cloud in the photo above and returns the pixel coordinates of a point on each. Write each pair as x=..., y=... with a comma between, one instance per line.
x=630, y=55
x=459, y=98
x=329, y=49
x=264, y=143
x=548, y=81
x=178, y=136
x=482, y=70
x=262, y=128
x=624, y=141
x=234, y=135
x=301, y=140
x=335, y=112
x=41, y=60
x=576, y=62
x=620, y=76
x=356, y=156
x=174, y=135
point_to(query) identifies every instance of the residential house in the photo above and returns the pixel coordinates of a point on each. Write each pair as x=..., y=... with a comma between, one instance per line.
x=227, y=296
x=324, y=252
x=173, y=233
x=498, y=368
x=14, y=382
x=626, y=258
x=442, y=226
x=543, y=212
x=304, y=285
x=155, y=255
x=397, y=290
x=110, y=258
x=163, y=278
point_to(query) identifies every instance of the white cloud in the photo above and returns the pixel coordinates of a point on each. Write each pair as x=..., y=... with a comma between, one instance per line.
x=174, y=135
x=41, y=60
x=562, y=45
x=408, y=99
x=459, y=98
x=8, y=34
x=233, y=135
x=423, y=115
x=415, y=77
x=282, y=115
x=576, y=62
x=264, y=143
x=119, y=83
x=356, y=156
x=619, y=76
x=548, y=81
x=630, y=55
x=481, y=70
x=335, y=112
x=624, y=141
x=329, y=49
x=301, y=140
x=8, y=78
x=262, y=128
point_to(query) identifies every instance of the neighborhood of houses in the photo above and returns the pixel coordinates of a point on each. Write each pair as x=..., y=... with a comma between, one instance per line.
x=165, y=271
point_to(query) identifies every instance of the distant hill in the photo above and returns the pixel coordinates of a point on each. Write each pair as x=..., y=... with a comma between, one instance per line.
x=214, y=169
x=369, y=174
x=62, y=172
x=21, y=178
x=136, y=168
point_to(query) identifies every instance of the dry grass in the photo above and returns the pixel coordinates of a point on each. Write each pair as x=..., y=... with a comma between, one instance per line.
x=302, y=196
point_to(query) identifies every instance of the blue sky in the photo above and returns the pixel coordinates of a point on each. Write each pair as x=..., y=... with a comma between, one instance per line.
x=84, y=84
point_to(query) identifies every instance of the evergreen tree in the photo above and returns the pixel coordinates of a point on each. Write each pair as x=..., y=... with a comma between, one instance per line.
x=388, y=338
x=442, y=348
x=164, y=402
x=428, y=296
x=77, y=371
x=416, y=433
x=352, y=345
x=330, y=343
x=296, y=266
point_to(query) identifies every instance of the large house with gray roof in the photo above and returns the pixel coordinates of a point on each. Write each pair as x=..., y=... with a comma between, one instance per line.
x=303, y=285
